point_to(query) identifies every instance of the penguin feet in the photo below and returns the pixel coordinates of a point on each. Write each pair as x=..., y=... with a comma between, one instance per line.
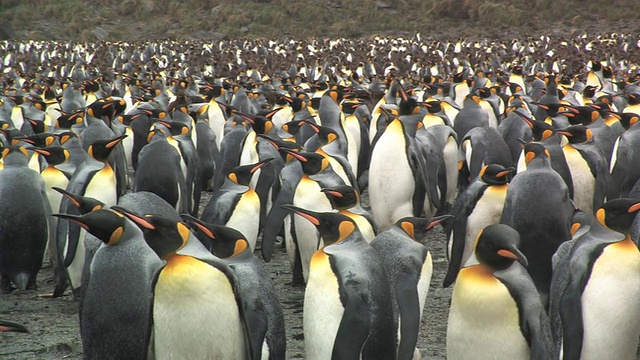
x=5, y=285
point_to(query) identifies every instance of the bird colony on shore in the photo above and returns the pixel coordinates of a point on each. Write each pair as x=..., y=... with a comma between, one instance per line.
x=526, y=151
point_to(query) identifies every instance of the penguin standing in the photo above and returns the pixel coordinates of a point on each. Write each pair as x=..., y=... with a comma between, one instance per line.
x=479, y=206
x=236, y=204
x=538, y=207
x=260, y=301
x=95, y=179
x=116, y=307
x=183, y=313
x=496, y=312
x=602, y=272
x=25, y=228
x=409, y=266
x=348, y=311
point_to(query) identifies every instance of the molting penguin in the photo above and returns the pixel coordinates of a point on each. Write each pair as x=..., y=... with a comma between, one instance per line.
x=348, y=311
x=409, y=267
x=538, y=207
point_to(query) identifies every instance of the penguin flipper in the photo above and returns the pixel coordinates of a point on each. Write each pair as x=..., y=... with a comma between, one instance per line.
x=416, y=162
x=409, y=306
x=274, y=221
x=354, y=327
x=534, y=323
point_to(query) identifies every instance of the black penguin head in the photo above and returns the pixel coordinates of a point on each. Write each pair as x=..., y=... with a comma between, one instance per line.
x=242, y=175
x=65, y=121
x=333, y=227
x=628, y=119
x=8, y=326
x=579, y=220
x=312, y=163
x=84, y=203
x=326, y=134
x=15, y=154
x=342, y=197
x=408, y=105
x=540, y=130
x=535, y=151
x=293, y=126
x=278, y=143
x=577, y=134
x=618, y=214
x=100, y=149
x=106, y=225
x=176, y=128
x=40, y=140
x=584, y=115
x=164, y=236
x=497, y=247
x=261, y=124
x=225, y=241
x=496, y=174
x=55, y=155
x=417, y=227
x=38, y=126
x=433, y=107
x=66, y=136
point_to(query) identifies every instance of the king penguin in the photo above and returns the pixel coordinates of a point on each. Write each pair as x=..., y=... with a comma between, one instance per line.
x=409, y=266
x=259, y=299
x=348, y=311
x=479, y=206
x=183, y=311
x=600, y=271
x=25, y=228
x=496, y=312
x=116, y=307
x=539, y=208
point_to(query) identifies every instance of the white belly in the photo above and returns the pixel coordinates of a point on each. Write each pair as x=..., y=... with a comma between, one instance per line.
x=195, y=314
x=450, y=155
x=352, y=128
x=363, y=225
x=322, y=309
x=352, y=147
x=483, y=319
x=54, y=178
x=391, y=180
x=610, y=306
x=584, y=183
x=216, y=121
x=246, y=217
x=308, y=196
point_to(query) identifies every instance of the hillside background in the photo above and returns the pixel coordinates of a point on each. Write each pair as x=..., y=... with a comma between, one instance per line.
x=155, y=19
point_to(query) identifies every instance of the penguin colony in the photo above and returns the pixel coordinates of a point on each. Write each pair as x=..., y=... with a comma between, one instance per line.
x=524, y=151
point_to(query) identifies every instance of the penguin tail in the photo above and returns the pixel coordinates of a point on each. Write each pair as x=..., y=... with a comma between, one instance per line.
x=21, y=280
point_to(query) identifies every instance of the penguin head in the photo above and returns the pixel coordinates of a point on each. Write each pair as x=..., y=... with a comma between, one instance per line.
x=577, y=134
x=535, y=151
x=293, y=126
x=242, y=175
x=584, y=115
x=312, y=163
x=417, y=227
x=55, y=155
x=176, y=128
x=326, y=134
x=100, y=149
x=84, y=203
x=433, y=106
x=164, y=236
x=333, y=227
x=496, y=174
x=38, y=126
x=579, y=220
x=278, y=143
x=106, y=225
x=66, y=136
x=65, y=121
x=618, y=214
x=408, y=105
x=342, y=197
x=628, y=119
x=226, y=242
x=15, y=155
x=8, y=326
x=40, y=140
x=497, y=247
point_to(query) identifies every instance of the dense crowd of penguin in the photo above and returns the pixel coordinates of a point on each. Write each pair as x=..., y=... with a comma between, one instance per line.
x=525, y=151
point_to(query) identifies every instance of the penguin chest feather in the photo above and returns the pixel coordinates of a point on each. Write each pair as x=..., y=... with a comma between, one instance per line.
x=609, y=304
x=487, y=211
x=322, y=308
x=391, y=179
x=54, y=177
x=245, y=216
x=102, y=186
x=483, y=319
x=195, y=313
x=584, y=183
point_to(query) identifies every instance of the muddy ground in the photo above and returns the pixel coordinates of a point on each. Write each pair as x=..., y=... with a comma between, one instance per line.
x=55, y=330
